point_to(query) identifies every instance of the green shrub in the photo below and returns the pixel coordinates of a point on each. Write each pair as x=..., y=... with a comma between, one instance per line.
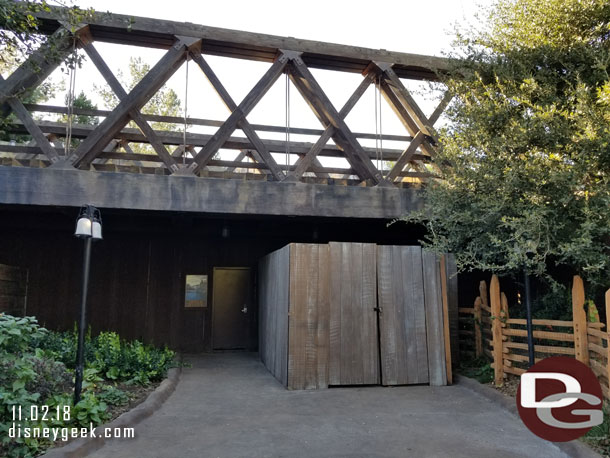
x=37, y=365
x=113, y=396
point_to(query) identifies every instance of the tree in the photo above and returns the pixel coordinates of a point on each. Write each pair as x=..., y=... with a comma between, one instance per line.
x=19, y=37
x=165, y=102
x=525, y=159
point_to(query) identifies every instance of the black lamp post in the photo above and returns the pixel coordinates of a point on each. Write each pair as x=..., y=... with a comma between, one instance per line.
x=88, y=228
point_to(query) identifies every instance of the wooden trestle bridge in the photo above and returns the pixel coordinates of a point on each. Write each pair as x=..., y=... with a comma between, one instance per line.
x=185, y=174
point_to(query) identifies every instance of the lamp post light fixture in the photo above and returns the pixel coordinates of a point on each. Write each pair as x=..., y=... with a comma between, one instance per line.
x=88, y=228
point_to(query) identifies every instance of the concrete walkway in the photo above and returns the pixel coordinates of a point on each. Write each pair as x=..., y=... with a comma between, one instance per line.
x=228, y=405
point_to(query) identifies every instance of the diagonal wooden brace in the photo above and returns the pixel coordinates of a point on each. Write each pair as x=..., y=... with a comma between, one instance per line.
x=120, y=92
x=240, y=112
x=303, y=164
x=243, y=123
x=94, y=144
x=39, y=65
x=26, y=118
x=328, y=115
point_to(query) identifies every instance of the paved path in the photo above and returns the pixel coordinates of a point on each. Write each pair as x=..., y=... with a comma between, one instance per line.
x=228, y=405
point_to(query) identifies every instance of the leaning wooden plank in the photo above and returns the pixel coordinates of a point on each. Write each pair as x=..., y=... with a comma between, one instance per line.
x=597, y=333
x=580, y=320
x=447, y=335
x=600, y=350
x=598, y=368
x=434, y=319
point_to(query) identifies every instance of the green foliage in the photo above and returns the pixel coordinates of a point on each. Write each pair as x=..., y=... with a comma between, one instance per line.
x=35, y=370
x=81, y=101
x=165, y=102
x=18, y=335
x=479, y=368
x=90, y=410
x=113, y=396
x=525, y=158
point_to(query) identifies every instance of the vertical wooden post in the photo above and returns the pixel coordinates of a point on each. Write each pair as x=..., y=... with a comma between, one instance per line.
x=608, y=336
x=504, y=302
x=581, y=344
x=483, y=294
x=446, y=332
x=496, y=329
x=478, y=337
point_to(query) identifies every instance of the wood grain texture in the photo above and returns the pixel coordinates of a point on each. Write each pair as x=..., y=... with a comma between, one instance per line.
x=354, y=356
x=495, y=301
x=434, y=319
x=274, y=281
x=13, y=290
x=580, y=320
x=402, y=319
x=309, y=317
x=452, y=290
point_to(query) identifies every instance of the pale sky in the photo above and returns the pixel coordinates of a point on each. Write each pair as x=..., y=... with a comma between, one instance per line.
x=413, y=26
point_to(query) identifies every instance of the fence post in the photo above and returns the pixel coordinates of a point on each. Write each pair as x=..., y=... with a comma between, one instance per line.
x=478, y=337
x=581, y=344
x=608, y=335
x=496, y=329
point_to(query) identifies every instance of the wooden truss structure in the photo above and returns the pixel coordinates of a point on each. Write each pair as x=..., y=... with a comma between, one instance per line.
x=99, y=146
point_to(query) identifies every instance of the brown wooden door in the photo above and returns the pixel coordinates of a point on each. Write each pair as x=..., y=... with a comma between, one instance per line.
x=402, y=317
x=231, y=308
x=354, y=341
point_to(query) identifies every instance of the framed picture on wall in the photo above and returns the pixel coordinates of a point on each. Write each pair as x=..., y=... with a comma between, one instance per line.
x=196, y=291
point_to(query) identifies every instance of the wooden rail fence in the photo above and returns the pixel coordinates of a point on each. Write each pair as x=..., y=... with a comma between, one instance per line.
x=486, y=329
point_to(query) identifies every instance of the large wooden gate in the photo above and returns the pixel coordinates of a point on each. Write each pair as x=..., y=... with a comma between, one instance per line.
x=353, y=314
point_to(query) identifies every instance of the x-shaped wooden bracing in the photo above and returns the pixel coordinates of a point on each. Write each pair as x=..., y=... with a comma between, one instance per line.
x=336, y=129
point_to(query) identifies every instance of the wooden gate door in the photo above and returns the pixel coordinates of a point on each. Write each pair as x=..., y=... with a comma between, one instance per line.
x=410, y=316
x=231, y=308
x=354, y=340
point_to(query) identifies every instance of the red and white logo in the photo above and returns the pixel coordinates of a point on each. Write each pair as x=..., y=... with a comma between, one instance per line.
x=559, y=399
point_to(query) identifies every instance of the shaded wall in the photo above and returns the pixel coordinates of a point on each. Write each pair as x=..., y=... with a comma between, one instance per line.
x=137, y=271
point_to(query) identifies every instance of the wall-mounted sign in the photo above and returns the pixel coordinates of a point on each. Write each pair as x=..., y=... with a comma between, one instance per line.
x=196, y=291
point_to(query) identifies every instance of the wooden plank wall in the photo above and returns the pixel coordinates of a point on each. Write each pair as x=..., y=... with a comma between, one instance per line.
x=452, y=292
x=309, y=316
x=354, y=341
x=273, y=297
x=402, y=318
x=434, y=319
x=13, y=290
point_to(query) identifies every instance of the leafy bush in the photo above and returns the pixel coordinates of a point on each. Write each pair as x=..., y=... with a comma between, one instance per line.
x=113, y=358
x=113, y=396
x=37, y=366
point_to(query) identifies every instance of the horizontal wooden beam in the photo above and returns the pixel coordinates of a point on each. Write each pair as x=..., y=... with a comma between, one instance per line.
x=177, y=138
x=159, y=33
x=57, y=187
x=209, y=122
